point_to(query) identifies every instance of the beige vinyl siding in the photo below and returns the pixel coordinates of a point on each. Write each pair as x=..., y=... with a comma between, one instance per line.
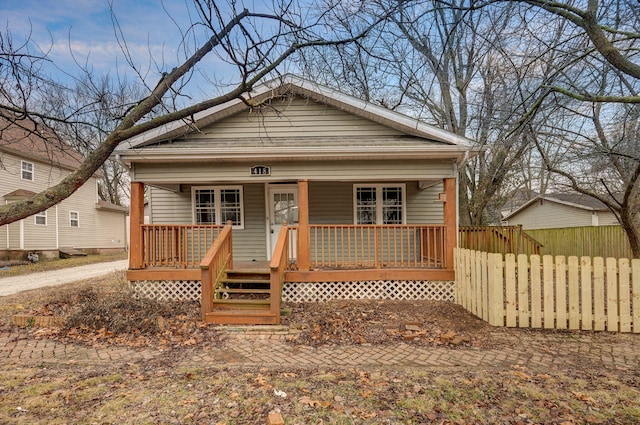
x=549, y=215
x=607, y=218
x=14, y=234
x=98, y=228
x=40, y=237
x=204, y=173
x=82, y=201
x=113, y=233
x=293, y=117
x=45, y=175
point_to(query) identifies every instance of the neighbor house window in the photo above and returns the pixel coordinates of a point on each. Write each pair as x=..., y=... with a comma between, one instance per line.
x=74, y=219
x=379, y=204
x=218, y=204
x=41, y=218
x=27, y=170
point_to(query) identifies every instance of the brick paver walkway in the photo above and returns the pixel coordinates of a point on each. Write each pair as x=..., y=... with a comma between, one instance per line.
x=533, y=350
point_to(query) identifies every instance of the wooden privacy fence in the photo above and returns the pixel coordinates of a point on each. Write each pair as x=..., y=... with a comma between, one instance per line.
x=590, y=241
x=504, y=239
x=553, y=292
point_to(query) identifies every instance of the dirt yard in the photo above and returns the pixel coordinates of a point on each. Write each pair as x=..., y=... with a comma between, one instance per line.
x=177, y=387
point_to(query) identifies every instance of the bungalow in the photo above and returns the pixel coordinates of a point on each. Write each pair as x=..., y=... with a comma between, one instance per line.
x=308, y=193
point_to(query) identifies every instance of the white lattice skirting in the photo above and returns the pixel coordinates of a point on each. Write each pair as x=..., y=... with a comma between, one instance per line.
x=191, y=290
x=168, y=290
x=370, y=289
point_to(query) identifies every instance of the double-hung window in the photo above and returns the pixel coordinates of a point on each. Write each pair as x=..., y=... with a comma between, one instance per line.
x=218, y=204
x=41, y=218
x=379, y=203
x=74, y=219
x=26, y=169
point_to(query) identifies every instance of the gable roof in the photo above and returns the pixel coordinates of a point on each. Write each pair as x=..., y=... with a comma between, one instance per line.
x=416, y=136
x=26, y=139
x=574, y=200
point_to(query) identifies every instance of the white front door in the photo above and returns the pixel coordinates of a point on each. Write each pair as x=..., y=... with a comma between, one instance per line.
x=283, y=206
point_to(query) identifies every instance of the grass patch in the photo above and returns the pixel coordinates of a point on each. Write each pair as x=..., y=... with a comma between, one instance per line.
x=60, y=263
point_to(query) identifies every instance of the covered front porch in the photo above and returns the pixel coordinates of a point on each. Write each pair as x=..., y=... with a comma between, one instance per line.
x=302, y=252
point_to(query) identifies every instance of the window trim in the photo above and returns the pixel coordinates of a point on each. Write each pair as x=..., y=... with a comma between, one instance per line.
x=40, y=214
x=77, y=219
x=32, y=171
x=379, y=207
x=217, y=206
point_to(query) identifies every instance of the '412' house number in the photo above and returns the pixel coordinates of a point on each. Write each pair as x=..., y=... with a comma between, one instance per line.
x=260, y=170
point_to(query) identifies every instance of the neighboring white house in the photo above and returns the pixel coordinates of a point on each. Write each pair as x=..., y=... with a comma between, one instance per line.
x=30, y=164
x=559, y=210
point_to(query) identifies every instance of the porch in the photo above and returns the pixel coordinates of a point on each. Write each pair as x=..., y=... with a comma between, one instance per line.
x=235, y=292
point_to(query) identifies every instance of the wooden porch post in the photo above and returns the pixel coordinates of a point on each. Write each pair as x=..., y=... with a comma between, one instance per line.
x=449, y=219
x=136, y=217
x=304, y=238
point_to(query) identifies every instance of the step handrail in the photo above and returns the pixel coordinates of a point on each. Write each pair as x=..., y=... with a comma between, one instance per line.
x=277, y=268
x=214, y=265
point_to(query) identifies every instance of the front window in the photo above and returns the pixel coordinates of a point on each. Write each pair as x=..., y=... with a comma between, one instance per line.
x=217, y=205
x=27, y=170
x=74, y=219
x=41, y=218
x=379, y=204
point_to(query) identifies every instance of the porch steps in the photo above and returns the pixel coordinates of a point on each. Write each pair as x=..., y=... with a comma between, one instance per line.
x=243, y=298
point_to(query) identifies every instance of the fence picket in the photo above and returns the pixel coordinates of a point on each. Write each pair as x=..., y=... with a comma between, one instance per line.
x=624, y=296
x=561, y=293
x=478, y=286
x=523, y=291
x=510, y=289
x=587, y=293
x=474, y=282
x=495, y=290
x=574, y=293
x=536, y=293
x=598, y=294
x=484, y=279
x=635, y=267
x=612, y=295
x=547, y=292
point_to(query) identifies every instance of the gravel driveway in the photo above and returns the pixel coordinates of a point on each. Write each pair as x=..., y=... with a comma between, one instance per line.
x=15, y=284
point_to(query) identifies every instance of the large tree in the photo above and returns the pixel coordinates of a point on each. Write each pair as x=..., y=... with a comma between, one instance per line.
x=256, y=43
x=602, y=80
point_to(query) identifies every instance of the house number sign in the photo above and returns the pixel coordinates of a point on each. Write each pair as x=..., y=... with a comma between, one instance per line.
x=260, y=170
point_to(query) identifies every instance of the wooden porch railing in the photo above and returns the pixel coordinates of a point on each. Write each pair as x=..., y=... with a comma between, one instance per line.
x=376, y=246
x=278, y=266
x=499, y=239
x=176, y=245
x=213, y=266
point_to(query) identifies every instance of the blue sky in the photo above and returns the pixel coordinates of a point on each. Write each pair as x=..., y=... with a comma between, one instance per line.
x=83, y=29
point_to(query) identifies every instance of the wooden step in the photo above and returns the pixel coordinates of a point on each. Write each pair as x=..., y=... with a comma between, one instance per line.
x=241, y=304
x=243, y=291
x=243, y=317
x=248, y=274
x=245, y=281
